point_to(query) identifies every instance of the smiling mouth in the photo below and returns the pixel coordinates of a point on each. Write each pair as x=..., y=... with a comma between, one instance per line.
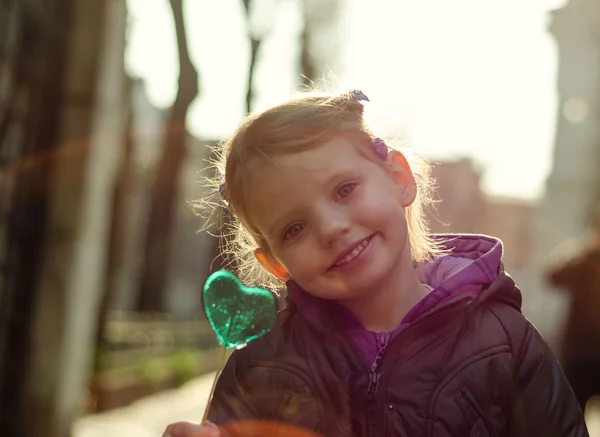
x=355, y=252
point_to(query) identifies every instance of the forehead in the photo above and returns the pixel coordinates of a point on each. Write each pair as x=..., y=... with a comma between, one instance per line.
x=284, y=184
x=297, y=171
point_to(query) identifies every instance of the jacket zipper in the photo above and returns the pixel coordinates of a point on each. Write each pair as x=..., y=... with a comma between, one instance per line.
x=383, y=340
x=375, y=375
x=374, y=378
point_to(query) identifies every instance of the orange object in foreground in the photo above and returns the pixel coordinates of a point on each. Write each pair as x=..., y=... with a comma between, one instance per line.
x=263, y=429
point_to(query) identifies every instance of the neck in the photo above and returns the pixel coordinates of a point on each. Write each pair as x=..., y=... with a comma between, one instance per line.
x=383, y=310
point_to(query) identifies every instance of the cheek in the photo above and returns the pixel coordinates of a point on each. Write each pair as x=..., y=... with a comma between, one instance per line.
x=294, y=258
x=381, y=207
x=303, y=260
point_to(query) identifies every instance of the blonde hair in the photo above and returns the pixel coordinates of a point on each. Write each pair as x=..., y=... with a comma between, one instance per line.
x=294, y=126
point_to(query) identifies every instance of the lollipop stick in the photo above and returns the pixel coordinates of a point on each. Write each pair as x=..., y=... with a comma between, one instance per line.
x=220, y=365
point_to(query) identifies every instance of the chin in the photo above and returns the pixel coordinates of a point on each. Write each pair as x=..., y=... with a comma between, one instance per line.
x=358, y=284
x=349, y=291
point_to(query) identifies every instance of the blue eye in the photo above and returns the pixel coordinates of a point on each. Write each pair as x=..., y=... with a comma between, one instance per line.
x=293, y=231
x=346, y=189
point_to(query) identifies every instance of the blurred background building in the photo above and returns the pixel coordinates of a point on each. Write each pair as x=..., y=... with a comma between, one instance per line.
x=106, y=109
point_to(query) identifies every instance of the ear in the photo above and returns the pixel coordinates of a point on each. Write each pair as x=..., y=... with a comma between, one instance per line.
x=403, y=176
x=271, y=265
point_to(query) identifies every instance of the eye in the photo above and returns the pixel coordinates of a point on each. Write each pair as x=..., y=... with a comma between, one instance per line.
x=293, y=231
x=345, y=190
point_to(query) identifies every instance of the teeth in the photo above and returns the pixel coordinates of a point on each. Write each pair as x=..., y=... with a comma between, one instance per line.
x=358, y=249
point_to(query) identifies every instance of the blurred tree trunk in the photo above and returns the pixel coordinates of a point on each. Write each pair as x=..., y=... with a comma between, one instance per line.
x=55, y=177
x=116, y=241
x=319, y=41
x=122, y=189
x=33, y=56
x=160, y=223
x=255, y=43
x=91, y=123
x=307, y=66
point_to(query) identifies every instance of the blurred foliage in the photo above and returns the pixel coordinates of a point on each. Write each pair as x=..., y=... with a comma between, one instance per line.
x=181, y=365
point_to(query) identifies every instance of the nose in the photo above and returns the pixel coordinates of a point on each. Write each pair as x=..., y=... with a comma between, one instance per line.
x=333, y=223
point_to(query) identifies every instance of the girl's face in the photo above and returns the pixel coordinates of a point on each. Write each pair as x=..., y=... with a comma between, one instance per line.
x=334, y=219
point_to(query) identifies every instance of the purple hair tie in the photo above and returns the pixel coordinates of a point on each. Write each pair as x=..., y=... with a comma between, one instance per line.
x=358, y=96
x=223, y=193
x=380, y=148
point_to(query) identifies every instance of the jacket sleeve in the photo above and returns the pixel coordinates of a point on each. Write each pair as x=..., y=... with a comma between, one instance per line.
x=263, y=392
x=542, y=402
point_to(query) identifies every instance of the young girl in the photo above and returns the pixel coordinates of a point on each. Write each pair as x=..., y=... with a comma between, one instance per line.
x=388, y=331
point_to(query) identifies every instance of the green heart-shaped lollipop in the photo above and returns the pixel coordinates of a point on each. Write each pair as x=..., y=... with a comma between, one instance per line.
x=237, y=314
